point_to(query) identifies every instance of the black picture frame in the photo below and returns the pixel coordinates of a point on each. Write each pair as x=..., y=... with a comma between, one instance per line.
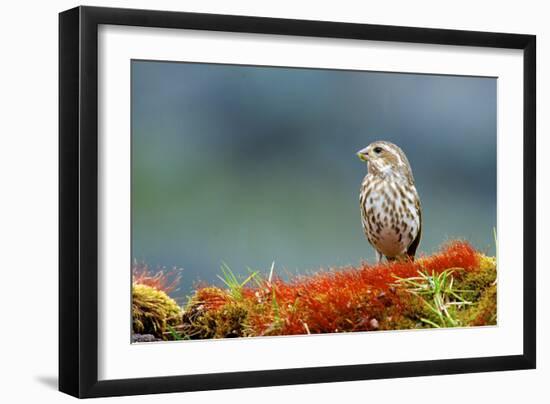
x=78, y=201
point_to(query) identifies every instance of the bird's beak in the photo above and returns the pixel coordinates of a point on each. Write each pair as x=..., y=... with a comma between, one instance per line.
x=363, y=154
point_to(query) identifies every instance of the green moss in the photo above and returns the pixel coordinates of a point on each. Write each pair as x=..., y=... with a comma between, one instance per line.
x=458, y=296
x=153, y=311
x=213, y=313
x=399, y=321
x=484, y=311
x=475, y=282
x=478, y=287
x=228, y=321
x=410, y=315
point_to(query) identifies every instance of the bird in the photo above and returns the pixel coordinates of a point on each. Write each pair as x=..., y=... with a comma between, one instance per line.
x=391, y=213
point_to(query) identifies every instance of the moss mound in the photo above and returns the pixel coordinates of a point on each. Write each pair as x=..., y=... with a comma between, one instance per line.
x=477, y=287
x=213, y=313
x=454, y=288
x=153, y=311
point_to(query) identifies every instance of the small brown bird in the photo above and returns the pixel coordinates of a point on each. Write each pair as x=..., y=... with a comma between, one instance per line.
x=391, y=214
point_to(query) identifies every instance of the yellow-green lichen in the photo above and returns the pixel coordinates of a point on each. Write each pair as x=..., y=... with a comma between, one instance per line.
x=153, y=311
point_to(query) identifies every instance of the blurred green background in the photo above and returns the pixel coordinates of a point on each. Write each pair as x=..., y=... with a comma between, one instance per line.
x=248, y=165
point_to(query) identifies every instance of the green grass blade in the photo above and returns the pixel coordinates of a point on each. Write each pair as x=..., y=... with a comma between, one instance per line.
x=430, y=322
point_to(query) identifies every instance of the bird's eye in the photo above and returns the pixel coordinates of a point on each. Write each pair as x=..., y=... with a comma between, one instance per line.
x=378, y=150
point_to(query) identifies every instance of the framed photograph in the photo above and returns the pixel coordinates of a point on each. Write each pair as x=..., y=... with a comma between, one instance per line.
x=251, y=201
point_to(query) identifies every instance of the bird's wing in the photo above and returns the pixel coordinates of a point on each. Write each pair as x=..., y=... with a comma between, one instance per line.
x=411, y=251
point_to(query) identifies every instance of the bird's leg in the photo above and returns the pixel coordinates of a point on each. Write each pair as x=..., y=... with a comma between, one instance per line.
x=378, y=257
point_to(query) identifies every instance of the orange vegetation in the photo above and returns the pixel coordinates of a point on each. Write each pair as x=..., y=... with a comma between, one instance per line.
x=359, y=298
x=166, y=281
x=454, y=287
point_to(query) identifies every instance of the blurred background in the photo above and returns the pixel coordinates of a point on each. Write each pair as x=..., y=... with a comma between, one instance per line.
x=248, y=165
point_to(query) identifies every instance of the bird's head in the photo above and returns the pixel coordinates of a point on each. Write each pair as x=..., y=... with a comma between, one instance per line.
x=386, y=159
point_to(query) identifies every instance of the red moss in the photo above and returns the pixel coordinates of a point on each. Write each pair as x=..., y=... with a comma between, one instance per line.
x=350, y=299
x=211, y=298
x=359, y=298
x=166, y=281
